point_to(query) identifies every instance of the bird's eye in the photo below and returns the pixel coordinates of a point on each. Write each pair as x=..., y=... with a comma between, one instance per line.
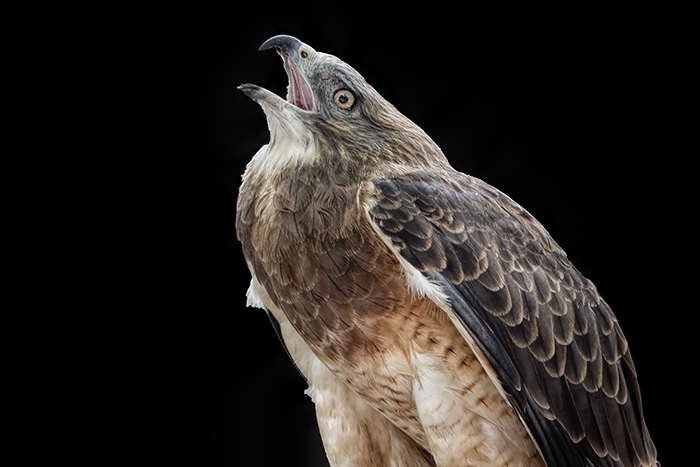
x=344, y=99
x=304, y=54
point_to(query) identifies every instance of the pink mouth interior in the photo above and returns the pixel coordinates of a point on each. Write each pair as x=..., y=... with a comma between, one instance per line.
x=298, y=92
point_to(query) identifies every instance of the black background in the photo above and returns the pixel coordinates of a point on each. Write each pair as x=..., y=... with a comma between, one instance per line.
x=577, y=115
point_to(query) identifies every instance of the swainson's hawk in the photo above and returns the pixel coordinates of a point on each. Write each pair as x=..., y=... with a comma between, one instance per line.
x=436, y=321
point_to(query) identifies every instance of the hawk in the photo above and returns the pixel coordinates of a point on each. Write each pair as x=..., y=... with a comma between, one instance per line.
x=436, y=321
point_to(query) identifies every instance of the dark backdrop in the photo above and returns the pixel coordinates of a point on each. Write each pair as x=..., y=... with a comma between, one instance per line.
x=576, y=115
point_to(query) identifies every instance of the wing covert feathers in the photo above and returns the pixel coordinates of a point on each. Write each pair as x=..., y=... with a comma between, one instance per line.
x=554, y=342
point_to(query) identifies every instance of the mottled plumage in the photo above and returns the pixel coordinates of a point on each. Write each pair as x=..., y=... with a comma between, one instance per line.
x=435, y=319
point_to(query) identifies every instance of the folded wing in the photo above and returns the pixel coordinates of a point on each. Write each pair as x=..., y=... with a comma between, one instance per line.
x=558, y=352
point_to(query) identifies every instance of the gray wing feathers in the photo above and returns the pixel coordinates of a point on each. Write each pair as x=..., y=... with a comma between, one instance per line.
x=553, y=340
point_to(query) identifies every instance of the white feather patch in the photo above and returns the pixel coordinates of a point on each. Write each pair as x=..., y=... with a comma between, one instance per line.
x=291, y=143
x=252, y=297
x=416, y=282
x=421, y=285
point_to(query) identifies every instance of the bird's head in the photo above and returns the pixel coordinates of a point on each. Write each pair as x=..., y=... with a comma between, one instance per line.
x=330, y=104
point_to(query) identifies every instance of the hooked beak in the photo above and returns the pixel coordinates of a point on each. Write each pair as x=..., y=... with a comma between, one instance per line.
x=293, y=53
x=286, y=44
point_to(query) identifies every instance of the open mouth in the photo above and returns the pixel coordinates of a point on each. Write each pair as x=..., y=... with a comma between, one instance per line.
x=298, y=92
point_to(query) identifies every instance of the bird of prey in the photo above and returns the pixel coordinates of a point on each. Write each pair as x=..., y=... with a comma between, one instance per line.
x=436, y=321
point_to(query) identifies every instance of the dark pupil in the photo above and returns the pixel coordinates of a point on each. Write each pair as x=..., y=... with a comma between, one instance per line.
x=343, y=99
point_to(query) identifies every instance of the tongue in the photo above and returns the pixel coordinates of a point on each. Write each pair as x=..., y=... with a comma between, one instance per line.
x=299, y=93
